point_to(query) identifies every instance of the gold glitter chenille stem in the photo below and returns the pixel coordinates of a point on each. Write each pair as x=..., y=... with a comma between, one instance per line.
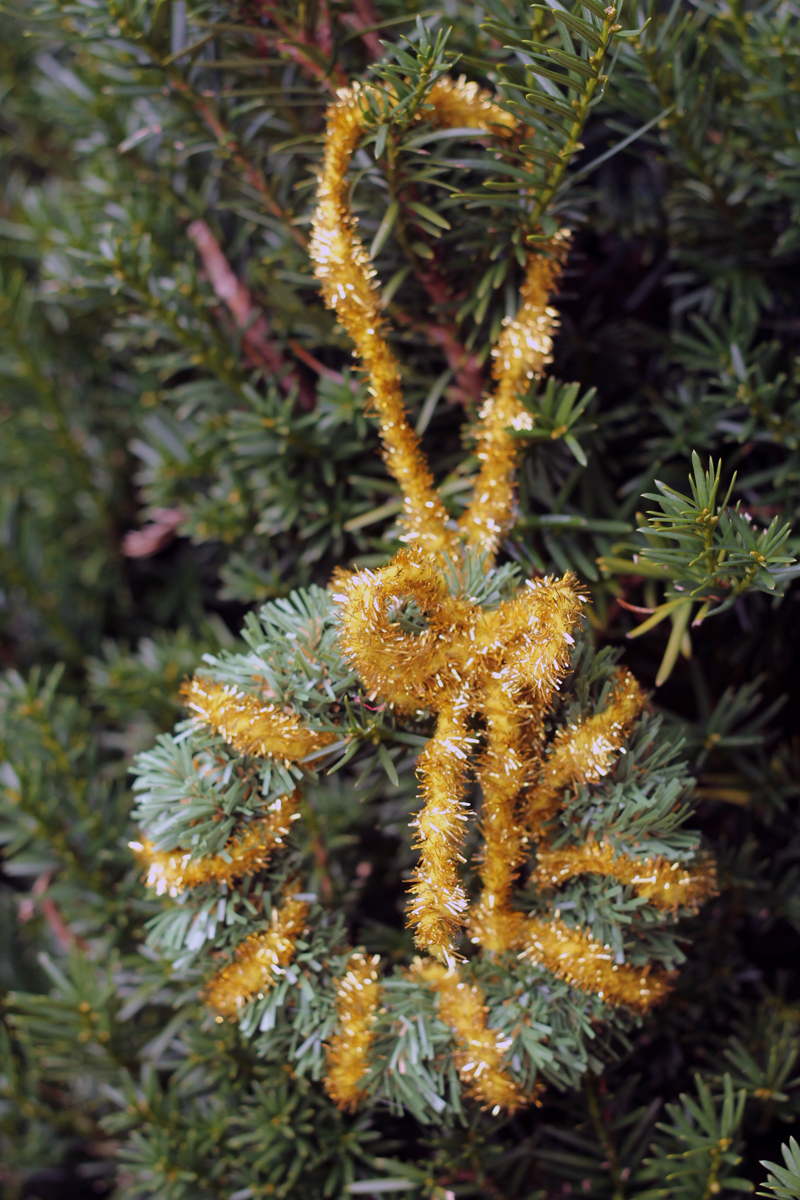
x=249, y=725
x=172, y=871
x=585, y=752
x=577, y=957
x=480, y=1051
x=254, y=728
x=667, y=885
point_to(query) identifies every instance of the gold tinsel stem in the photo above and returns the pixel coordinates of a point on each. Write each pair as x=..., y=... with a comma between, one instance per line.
x=343, y=268
x=576, y=957
x=173, y=871
x=249, y=725
x=668, y=885
x=522, y=351
x=493, y=922
x=357, y=999
x=480, y=1051
x=585, y=752
x=439, y=902
x=259, y=961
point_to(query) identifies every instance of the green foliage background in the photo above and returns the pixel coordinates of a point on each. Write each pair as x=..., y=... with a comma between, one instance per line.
x=129, y=389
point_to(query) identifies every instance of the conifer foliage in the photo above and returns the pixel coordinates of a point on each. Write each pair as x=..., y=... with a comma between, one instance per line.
x=297, y=899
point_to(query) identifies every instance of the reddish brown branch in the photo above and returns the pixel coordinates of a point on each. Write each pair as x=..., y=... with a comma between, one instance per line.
x=468, y=376
x=58, y=926
x=256, y=339
x=314, y=363
x=236, y=297
x=158, y=533
x=462, y=362
x=324, y=30
x=467, y=385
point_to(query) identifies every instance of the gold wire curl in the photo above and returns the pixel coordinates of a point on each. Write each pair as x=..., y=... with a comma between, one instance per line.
x=584, y=753
x=253, y=728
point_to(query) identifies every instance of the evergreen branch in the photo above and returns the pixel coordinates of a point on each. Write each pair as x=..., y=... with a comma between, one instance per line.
x=231, y=149
x=784, y=1182
x=604, y=1136
x=683, y=316
x=203, y=107
x=15, y=575
x=708, y=1131
x=718, y=555
x=565, y=117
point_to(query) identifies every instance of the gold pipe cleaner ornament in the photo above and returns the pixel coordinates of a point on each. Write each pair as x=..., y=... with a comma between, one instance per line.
x=489, y=676
x=468, y=661
x=504, y=665
x=357, y=1000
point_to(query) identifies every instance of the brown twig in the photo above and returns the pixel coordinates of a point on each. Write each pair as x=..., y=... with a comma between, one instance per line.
x=468, y=377
x=155, y=536
x=58, y=926
x=256, y=339
x=462, y=362
x=315, y=365
x=324, y=31
x=634, y=608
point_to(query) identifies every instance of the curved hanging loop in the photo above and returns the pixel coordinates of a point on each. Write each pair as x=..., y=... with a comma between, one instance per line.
x=349, y=286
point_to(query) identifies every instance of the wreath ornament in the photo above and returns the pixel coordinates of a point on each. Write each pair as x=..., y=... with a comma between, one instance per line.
x=491, y=678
